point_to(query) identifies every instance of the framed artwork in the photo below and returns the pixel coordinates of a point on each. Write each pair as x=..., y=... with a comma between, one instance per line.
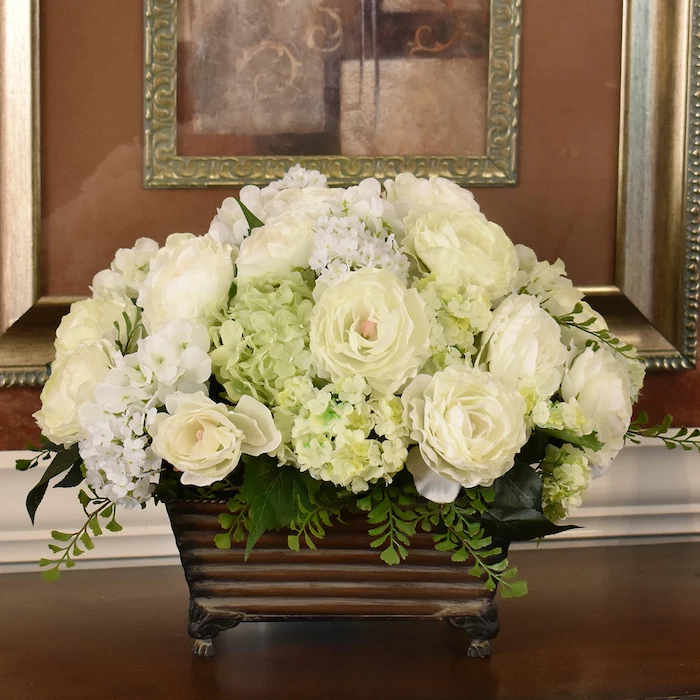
x=237, y=91
x=651, y=295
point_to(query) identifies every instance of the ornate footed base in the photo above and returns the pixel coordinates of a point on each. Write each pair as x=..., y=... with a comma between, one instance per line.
x=481, y=628
x=204, y=626
x=203, y=647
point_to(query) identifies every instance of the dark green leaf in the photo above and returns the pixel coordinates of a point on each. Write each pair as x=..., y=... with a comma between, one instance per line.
x=72, y=478
x=23, y=464
x=589, y=441
x=518, y=524
x=62, y=462
x=273, y=493
x=520, y=487
x=253, y=221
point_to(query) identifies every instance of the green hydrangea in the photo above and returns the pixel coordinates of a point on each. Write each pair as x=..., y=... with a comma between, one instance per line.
x=457, y=314
x=565, y=478
x=561, y=415
x=338, y=433
x=262, y=339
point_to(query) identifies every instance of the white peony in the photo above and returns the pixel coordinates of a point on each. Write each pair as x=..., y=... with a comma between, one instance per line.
x=190, y=278
x=283, y=243
x=465, y=246
x=127, y=271
x=92, y=320
x=204, y=439
x=601, y=387
x=371, y=326
x=468, y=427
x=409, y=193
x=71, y=384
x=176, y=358
x=522, y=348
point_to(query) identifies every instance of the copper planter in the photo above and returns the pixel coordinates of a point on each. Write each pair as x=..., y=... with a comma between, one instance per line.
x=343, y=578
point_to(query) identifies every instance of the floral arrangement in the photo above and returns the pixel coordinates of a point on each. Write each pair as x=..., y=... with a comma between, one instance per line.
x=322, y=351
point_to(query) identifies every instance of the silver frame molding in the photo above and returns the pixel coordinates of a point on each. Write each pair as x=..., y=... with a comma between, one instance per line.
x=654, y=303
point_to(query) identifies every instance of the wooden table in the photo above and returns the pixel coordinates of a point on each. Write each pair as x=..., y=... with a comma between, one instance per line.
x=606, y=622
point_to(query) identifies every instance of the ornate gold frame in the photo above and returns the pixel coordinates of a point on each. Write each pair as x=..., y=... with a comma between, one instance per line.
x=163, y=167
x=654, y=303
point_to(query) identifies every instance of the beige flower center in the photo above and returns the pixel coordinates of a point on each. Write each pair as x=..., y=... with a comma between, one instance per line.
x=200, y=434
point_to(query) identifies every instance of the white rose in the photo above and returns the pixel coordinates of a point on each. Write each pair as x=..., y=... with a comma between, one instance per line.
x=205, y=440
x=602, y=388
x=190, y=278
x=468, y=427
x=409, y=193
x=465, y=246
x=92, y=320
x=72, y=383
x=522, y=348
x=283, y=243
x=127, y=271
x=370, y=325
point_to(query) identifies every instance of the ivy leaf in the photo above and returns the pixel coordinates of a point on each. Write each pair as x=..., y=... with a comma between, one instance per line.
x=62, y=462
x=519, y=524
x=253, y=221
x=274, y=494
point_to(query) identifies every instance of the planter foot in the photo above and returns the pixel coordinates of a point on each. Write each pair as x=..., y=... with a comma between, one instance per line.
x=481, y=627
x=203, y=647
x=479, y=649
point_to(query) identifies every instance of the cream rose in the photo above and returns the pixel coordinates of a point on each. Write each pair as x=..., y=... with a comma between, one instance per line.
x=370, y=325
x=92, y=320
x=463, y=245
x=190, y=278
x=71, y=384
x=417, y=194
x=601, y=387
x=522, y=348
x=283, y=243
x=204, y=439
x=468, y=427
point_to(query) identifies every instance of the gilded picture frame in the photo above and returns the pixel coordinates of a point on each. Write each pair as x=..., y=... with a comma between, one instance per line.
x=164, y=167
x=653, y=304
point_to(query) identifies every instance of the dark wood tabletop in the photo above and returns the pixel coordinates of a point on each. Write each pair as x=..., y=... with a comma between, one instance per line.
x=604, y=622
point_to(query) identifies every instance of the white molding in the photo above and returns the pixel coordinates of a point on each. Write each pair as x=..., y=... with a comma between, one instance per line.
x=649, y=494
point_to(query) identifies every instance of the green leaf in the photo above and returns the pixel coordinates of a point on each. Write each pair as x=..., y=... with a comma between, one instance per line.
x=390, y=556
x=253, y=221
x=51, y=574
x=520, y=487
x=85, y=500
x=23, y=464
x=114, y=526
x=516, y=589
x=293, y=542
x=94, y=525
x=225, y=520
x=73, y=478
x=223, y=540
x=273, y=493
x=589, y=441
x=519, y=524
x=62, y=462
x=60, y=536
x=85, y=539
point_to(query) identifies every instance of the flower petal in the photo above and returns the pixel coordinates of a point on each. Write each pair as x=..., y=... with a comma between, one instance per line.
x=430, y=484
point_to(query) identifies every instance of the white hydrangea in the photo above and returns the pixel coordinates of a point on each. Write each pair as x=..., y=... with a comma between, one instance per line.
x=125, y=386
x=343, y=244
x=365, y=202
x=119, y=463
x=176, y=358
x=296, y=178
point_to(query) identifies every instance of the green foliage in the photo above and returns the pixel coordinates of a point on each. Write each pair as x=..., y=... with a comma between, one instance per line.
x=274, y=494
x=516, y=511
x=682, y=437
x=64, y=461
x=236, y=522
x=312, y=522
x=598, y=338
x=69, y=545
x=589, y=441
x=253, y=221
x=468, y=542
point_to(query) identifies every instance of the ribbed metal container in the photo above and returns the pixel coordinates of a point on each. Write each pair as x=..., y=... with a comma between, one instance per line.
x=344, y=577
